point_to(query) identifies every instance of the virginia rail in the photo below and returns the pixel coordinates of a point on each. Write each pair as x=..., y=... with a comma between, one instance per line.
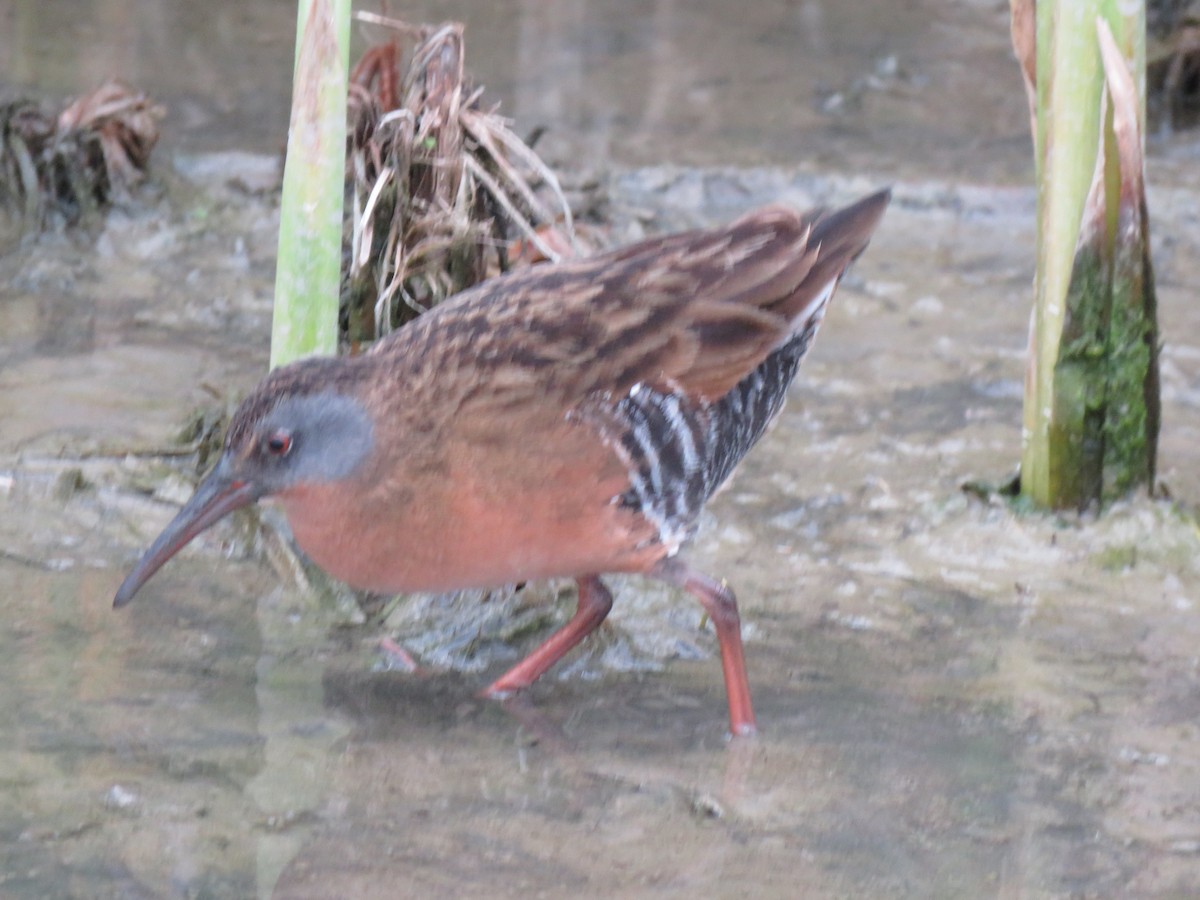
x=562, y=420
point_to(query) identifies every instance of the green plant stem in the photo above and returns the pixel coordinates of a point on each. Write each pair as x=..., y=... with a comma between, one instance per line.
x=308, y=271
x=1089, y=426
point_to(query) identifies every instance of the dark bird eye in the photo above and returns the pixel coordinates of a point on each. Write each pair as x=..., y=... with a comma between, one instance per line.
x=279, y=443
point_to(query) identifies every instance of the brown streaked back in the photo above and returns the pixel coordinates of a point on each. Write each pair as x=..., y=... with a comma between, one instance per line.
x=698, y=311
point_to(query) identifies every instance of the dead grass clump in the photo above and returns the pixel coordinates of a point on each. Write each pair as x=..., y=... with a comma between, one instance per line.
x=441, y=184
x=69, y=167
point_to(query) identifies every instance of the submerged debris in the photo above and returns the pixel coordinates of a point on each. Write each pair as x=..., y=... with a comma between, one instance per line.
x=440, y=183
x=69, y=167
x=1173, y=63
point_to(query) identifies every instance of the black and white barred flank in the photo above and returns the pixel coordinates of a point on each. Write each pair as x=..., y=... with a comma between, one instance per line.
x=680, y=450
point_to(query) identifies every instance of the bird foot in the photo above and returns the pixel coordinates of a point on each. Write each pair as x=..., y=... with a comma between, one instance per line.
x=397, y=657
x=503, y=688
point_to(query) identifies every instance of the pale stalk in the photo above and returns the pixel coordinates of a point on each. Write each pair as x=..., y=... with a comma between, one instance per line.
x=308, y=271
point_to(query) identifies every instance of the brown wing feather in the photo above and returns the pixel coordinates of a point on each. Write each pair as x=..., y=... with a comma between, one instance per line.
x=697, y=311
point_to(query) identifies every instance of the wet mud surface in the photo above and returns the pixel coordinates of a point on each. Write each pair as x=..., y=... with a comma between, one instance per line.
x=955, y=700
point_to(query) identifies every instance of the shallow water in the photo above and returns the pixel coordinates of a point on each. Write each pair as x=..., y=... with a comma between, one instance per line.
x=955, y=701
x=831, y=83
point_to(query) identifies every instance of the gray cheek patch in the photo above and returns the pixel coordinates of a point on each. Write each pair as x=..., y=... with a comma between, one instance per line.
x=333, y=435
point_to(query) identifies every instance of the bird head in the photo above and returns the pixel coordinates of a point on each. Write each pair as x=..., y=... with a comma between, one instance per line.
x=298, y=427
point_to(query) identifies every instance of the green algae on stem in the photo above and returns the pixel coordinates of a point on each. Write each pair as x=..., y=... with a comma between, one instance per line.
x=1091, y=399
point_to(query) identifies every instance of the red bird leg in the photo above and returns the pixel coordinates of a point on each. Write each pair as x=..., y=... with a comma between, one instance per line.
x=720, y=603
x=594, y=604
x=398, y=657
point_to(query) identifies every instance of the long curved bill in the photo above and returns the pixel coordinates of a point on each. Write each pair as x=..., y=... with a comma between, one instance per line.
x=216, y=497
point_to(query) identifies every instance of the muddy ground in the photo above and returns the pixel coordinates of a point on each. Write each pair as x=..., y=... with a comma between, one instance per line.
x=955, y=700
